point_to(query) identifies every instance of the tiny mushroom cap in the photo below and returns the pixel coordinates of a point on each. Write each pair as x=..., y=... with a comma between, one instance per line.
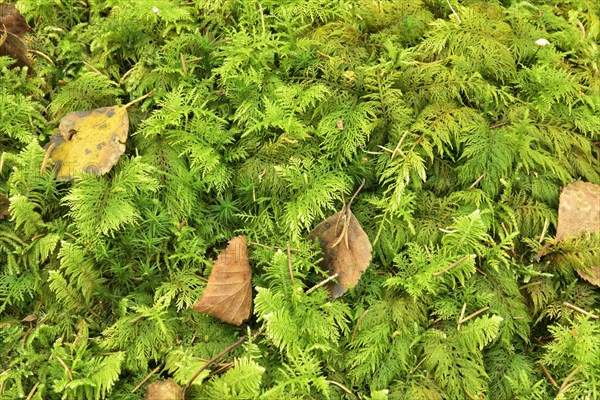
x=542, y=42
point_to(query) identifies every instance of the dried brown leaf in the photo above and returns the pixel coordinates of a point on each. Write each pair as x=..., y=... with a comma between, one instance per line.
x=11, y=45
x=12, y=28
x=4, y=205
x=89, y=141
x=346, y=249
x=579, y=212
x=12, y=19
x=165, y=390
x=228, y=293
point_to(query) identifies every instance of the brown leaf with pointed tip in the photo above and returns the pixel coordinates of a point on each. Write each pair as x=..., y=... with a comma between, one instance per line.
x=346, y=249
x=228, y=293
x=579, y=212
x=89, y=141
x=165, y=390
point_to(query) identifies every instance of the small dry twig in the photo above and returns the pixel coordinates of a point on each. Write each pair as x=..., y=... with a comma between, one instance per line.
x=357, y=324
x=215, y=358
x=550, y=378
x=581, y=310
x=449, y=267
x=139, y=385
x=476, y=181
x=289, y=257
x=465, y=319
x=565, y=385
x=32, y=391
x=67, y=370
x=323, y=282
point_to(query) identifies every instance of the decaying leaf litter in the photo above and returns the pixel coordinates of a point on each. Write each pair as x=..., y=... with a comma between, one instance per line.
x=13, y=28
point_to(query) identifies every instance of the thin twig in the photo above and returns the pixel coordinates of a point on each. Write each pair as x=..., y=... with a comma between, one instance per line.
x=476, y=313
x=71, y=235
x=26, y=335
x=344, y=388
x=374, y=152
x=262, y=18
x=183, y=66
x=12, y=321
x=32, y=391
x=476, y=181
x=550, y=378
x=384, y=148
x=544, y=229
x=564, y=385
x=419, y=364
x=46, y=157
x=90, y=66
x=65, y=367
x=264, y=246
x=289, y=257
x=132, y=102
x=462, y=315
x=397, y=148
x=325, y=56
x=355, y=193
x=499, y=124
x=454, y=12
x=567, y=387
x=323, y=282
x=136, y=318
x=215, y=358
x=139, y=385
x=357, y=324
x=541, y=253
x=581, y=310
x=449, y=267
x=39, y=53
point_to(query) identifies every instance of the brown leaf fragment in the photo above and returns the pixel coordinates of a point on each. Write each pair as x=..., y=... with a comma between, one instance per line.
x=165, y=390
x=89, y=141
x=4, y=205
x=12, y=28
x=579, y=212
x=228, y=293
x=12, y=19
x=346, y=249
x=11, y=45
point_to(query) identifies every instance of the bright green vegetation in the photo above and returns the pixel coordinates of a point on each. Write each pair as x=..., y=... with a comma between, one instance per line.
x=242, y=136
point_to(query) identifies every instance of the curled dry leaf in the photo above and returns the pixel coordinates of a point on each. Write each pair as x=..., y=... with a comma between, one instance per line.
x=89, y=141
x=228, y=293
x=346, y=249
x=165, y=390
x=579, y=212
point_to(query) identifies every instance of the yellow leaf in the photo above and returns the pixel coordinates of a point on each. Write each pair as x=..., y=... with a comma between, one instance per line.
x=89, y=141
